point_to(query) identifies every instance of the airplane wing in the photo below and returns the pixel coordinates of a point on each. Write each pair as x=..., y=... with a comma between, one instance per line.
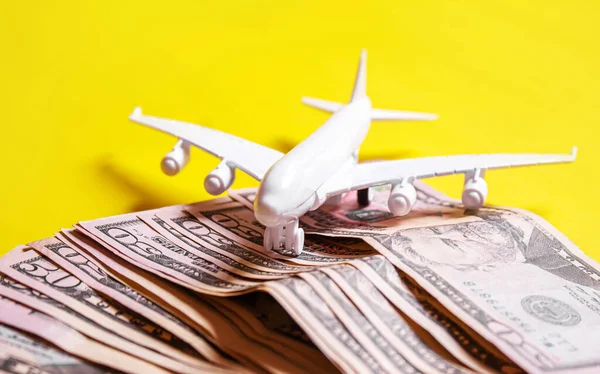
x=359, y=176
x=254, y=159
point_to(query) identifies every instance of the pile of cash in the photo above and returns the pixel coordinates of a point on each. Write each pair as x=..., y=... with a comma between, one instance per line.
x=190, y=289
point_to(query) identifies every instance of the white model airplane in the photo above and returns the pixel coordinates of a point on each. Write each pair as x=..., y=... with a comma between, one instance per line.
x=325, y=165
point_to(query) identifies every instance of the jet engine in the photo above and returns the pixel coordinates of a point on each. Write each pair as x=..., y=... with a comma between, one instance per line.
x=402, y=199
x=474, y=193
x=220, y=179
x=175, y=160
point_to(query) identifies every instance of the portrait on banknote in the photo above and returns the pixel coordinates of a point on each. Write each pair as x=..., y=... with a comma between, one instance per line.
x=489, y=243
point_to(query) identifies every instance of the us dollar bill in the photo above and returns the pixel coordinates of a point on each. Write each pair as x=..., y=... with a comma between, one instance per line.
x=92, y=311
x=270, y=319
x=130, y=237
x=225, y=332
x=205, y=236
x=244, y=314
x=414, y=342
x=210, y=252
x=507, y=273
x=315, y=317
x=459, y=339
x=192, y=310
x=96, y=278
x=386, y=354
x=63, y=336
x=21, y=353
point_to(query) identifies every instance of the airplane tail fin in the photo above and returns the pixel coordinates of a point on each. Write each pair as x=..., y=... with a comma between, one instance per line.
x=360, y=84
x=360, y=91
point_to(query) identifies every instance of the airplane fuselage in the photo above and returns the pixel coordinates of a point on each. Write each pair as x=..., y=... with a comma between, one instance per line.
x=288, y=189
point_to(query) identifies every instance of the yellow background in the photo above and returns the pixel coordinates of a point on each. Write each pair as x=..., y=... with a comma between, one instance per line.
x=505, y=76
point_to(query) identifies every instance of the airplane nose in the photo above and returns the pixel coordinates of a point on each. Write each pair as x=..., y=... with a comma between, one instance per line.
x=266, y=214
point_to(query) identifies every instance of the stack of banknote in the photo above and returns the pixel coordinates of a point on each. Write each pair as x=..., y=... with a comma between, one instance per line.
x=190, y=289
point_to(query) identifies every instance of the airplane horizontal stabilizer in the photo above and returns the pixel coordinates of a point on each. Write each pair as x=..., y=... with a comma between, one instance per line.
x=328, y=106
x=399, y=115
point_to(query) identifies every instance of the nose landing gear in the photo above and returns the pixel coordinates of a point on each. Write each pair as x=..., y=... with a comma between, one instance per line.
x=364, y=196
x=288, y=235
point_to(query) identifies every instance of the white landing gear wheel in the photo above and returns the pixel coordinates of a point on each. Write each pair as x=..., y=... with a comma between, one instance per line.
x=268, y=239
x=298, y=242
x=289, y=235
x=294, y=237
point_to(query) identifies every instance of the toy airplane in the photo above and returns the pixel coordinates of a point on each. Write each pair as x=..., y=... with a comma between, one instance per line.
x=325, y=165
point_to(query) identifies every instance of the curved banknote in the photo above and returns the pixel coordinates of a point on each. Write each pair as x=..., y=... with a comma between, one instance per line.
x=212, y=321
x=64, y=337
x=508, y=274
x=20, y=353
